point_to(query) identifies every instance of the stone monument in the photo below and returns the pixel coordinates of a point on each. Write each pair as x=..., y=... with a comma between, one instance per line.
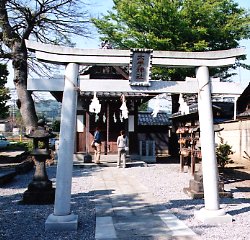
x=196, y=190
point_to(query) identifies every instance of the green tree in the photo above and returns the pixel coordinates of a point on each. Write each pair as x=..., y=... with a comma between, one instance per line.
x=4, y=92
x=143, y=106
x=223, y=151
x=56, y=125
x=54, y=22
x=176, y=25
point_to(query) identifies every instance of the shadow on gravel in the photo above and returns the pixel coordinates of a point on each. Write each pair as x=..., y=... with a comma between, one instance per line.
x=184, y=208
x=188, y=206
x=22, y=180
x=28, y=221
x=239, y=211
x=19, y=182
x=234, y=175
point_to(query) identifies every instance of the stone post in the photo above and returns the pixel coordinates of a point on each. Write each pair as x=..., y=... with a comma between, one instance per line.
x=62, y=218
x=211, y=213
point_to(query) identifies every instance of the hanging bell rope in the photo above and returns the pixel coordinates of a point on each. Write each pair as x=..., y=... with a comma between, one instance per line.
x=156, y=107
x=95, y=106
x=124, y=108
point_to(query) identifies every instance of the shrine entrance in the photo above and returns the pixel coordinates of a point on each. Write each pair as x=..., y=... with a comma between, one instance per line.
x=139, y=62
x=109, y=120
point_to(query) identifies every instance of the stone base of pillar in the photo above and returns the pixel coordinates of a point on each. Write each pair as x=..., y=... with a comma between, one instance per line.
x=61, y=223
x=213, y=216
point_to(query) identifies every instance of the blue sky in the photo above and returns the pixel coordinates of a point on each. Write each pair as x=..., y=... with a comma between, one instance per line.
x=98, y=7
x=101, y=7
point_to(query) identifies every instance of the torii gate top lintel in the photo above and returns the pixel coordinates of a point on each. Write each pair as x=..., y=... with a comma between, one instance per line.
x=114, y=57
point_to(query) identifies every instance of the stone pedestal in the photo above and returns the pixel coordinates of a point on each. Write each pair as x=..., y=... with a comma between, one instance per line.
x=196, y=190
x=39, y=196
x=40, y=190
x=87, y=158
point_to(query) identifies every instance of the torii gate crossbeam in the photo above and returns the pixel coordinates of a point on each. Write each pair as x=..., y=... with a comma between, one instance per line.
x=114, y=57
x=62, y=218
x=156, y=87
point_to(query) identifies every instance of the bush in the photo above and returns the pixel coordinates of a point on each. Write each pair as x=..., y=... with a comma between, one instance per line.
x=56, y=126
x=222, y=153
x=24, y=146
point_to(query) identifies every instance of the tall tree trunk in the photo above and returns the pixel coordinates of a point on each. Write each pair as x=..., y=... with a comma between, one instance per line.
x=25, y=102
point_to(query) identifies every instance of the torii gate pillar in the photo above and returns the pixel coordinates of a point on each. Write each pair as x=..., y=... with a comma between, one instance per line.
x=211, y=213
x=62, y=218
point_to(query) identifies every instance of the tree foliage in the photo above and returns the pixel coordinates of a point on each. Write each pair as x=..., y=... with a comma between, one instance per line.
x=175, y=25
x=56, y=126
x=223, y=151
x=45, y=21
x=4, y=92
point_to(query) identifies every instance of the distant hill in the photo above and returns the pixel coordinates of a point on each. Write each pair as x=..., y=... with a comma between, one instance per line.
x=45, y=104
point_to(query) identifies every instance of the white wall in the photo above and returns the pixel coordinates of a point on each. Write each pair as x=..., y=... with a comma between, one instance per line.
x=237, y=135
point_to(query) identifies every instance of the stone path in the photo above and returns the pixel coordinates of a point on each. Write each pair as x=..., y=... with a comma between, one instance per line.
x=125, y=209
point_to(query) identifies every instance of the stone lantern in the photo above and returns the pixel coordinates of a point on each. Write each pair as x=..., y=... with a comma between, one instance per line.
x=40, y=190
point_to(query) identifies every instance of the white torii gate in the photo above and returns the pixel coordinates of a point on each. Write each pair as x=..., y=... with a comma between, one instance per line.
x=62, y=218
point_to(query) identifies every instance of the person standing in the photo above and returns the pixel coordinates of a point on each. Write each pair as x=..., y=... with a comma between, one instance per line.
x=122, y=145
x=97, y=145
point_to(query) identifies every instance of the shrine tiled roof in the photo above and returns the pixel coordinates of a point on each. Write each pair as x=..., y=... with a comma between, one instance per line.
x=245, y=114
x=146, y=119
x=225, y=108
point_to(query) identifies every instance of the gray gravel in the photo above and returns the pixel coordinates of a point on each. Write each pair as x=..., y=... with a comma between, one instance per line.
x=167, y=183
x=18, y=221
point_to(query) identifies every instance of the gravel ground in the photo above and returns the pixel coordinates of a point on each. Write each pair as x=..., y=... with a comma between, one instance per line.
x=169, y=190
x=18, y=221
x=22, y=222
